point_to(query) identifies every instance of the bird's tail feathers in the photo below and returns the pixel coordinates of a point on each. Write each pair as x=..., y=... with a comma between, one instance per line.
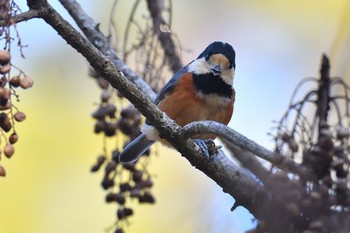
x=135, y=149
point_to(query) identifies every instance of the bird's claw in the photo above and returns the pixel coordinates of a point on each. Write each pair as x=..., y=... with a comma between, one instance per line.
x=207, y=146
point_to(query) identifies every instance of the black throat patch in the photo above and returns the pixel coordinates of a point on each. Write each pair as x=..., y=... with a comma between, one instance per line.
x=211, y=84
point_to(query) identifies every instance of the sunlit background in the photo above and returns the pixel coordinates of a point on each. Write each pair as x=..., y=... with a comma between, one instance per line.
x=48, y=187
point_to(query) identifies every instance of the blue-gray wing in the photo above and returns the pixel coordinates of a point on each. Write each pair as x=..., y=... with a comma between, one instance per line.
x=170, y=85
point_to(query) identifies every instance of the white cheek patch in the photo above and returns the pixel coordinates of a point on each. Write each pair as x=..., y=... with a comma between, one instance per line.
x=199, y=66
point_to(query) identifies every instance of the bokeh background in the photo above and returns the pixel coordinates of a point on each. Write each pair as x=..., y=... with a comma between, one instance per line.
x=48, y=187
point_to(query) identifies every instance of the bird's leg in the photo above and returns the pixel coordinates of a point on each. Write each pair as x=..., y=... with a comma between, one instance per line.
x=207, y=146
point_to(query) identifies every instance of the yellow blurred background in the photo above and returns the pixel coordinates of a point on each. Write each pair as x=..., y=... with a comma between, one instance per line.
x=48, y=187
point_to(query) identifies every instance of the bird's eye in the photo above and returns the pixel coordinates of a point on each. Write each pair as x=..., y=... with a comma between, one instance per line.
x=207, y=57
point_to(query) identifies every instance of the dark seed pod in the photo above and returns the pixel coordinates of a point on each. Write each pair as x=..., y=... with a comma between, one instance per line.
x=135, y=193
x=107, y=183
x=120, y=198
x=105, y=95
x=99, y=162
x=128, y=212
x=110, y=129
x=5, y=122
x=5, y=69
x=5, y=57
x=101, y=159
x=99, y=126
x=19, y=116
x=102, y=83
x=110, y=197
x=148, y=183
x=120, y=214
x=4, y=93
x=13, y=138
x=2, y=171
x=147, y=197
x=119, y=230
x=137, y=175
x=95, y=168
x=5, y=104
x=123, y=187
x=111, y=165
x=15, y=81
x=9, y=150
x=26, y=82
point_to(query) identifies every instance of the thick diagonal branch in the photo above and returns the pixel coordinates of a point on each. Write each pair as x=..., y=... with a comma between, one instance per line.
x=241, y=186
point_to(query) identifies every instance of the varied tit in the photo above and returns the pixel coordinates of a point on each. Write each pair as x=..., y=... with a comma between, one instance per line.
x=200, y=91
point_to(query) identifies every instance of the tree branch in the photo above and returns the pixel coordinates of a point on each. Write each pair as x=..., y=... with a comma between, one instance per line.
x=202, y=127
x=248, y=160
x=25, y=16
x=241, y=186
x=155, y=8
x=91, y=30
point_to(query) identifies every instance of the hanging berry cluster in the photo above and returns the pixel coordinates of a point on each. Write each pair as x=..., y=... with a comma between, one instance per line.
x=122, y=182
x=9, y=113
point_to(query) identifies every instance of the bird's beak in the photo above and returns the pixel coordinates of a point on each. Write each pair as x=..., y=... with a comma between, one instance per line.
x=216, y=70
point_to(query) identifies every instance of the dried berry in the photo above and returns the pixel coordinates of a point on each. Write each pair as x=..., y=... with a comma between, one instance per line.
x=13, y=138
x=95, y=168
x=120, y=198
x=5, y=69
x=123, y=187
x=111, y=165
x=137, y=175
x=119, y=230
x=99, y=162
x=5, y=57
x=102, y=83
x=148, y=183
x=2, y=171
x=110, y=197
x=6, y=105
x=15, y=81
x=9, y=150
x=116, y=197
x=105, y=95
x=19, y=116
x=26, y=82
x=124, y=212
x=110, y=129
x=135, y=193
x=147, y=197
x=5, y=123
x=107, y=183
x=4, y=93
x=99, y=126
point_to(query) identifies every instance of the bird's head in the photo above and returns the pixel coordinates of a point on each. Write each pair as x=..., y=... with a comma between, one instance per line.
x=218, y=59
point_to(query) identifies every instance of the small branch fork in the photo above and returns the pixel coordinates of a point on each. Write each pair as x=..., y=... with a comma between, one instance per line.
x=95, y=47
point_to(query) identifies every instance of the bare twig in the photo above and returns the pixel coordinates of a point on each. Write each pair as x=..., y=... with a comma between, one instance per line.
x=100, y=41
x=155, y=8
x=25, y=16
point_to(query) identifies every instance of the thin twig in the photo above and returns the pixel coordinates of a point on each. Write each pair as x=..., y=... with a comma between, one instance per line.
x=154, y=6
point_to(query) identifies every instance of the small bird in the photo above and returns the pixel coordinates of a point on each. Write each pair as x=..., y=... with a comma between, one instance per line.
x=202, y=90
